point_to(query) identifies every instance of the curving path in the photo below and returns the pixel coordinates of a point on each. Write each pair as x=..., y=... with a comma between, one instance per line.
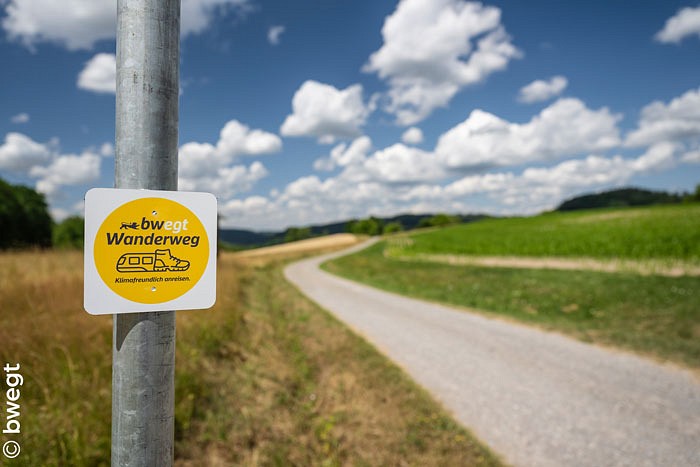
x=536, y=398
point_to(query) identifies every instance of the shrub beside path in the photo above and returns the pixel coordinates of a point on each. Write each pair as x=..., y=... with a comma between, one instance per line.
x=536, y=398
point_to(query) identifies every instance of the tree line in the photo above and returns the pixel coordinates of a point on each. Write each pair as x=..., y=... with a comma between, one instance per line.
x=371, y=226
x=25, y=221
x=624, y=197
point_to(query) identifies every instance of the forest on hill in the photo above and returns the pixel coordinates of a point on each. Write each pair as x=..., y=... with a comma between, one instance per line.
x=626, y=197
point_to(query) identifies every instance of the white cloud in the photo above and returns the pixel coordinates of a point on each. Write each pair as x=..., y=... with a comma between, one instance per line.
x=66, y=170
x=59, y=214
x=274, y=33
x=208, y=167
x=691, y=157
x=485, y=183
x=323, y=164
x=354, y=154
x=691, y=153
x=237, y=139
x=20, y=118
x=402, y=178
x=403, y=164
x=545, y=187
x=79, y=24
x=325, y=112
x=303, y=187
x=20, y=153
x=99, y=74
x=75, y=24
x=226, y=182
x=565, y=128
x=683, y=24
x=310, y=200
x=44, y=162
x=343, y=154
x=237, y=212
x=675, y=121
x=413, y=135
x=197, y=160
x=579, y=173
x=540, y=90
x=196, y=15
x=382, y=184
x=428, y=53
x=540, y=188
x=657, y=157
x=107, y=150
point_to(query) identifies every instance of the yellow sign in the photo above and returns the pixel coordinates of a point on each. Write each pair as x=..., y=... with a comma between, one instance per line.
x=150, y=250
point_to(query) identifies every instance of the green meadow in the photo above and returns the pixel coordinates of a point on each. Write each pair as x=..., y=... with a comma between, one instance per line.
x=658, y=232
x=654, y=315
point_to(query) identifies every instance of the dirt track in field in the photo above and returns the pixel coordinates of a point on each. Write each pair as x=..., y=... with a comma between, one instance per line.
x=661, y=268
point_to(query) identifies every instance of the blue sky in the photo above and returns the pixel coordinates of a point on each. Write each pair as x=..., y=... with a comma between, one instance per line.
x=314, y=111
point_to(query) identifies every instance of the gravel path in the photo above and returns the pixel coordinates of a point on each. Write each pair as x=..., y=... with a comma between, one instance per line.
x=536, y=398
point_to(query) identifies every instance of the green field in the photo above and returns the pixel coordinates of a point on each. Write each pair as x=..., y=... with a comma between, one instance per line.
x=659, y=232
x=650, y=314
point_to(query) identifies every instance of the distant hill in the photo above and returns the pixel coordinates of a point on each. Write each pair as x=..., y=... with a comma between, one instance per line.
x=619, y=198
x=245, y=237
x=248, y=239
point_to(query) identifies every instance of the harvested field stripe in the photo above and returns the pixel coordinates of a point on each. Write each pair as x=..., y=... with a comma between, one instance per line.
x=645, y=268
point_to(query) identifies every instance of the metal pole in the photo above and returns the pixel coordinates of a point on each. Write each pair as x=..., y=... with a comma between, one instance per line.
x=143, y=353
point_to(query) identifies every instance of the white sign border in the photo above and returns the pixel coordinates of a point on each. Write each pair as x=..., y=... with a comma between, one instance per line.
x=98, y=298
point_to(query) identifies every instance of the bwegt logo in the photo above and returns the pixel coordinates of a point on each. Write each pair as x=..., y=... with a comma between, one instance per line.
x=176, y=237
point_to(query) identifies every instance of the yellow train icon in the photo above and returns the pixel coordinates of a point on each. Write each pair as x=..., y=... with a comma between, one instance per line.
x=157, y=261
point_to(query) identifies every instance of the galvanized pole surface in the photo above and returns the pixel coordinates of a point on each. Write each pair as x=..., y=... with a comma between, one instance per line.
x=143, y=354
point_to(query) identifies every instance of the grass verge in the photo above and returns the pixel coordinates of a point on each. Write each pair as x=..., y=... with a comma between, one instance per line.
x=304, y=390
x=653, y=315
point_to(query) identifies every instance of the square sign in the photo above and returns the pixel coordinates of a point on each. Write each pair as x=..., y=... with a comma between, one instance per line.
x=149, y=251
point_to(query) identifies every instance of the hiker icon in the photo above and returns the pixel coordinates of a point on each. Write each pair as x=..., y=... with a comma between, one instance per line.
x=158, y=261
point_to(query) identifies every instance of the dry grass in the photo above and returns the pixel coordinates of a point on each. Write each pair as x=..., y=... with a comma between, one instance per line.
x=264, y=378
x=65, y=357
x=310, y=245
